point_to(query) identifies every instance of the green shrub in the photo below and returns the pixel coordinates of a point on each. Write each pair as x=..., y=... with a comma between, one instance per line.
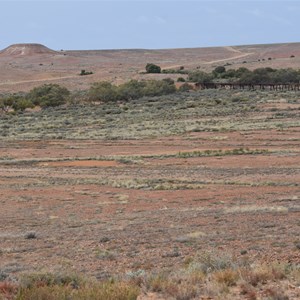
x=21, y=104
x=103, y=91
x=132, y=89
x=200, y=76
x=159, y=87
x=48, y=95
x=6, y=103
x=15, y=102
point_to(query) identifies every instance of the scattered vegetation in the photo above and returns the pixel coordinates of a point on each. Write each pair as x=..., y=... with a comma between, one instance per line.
x=240, y=151
x=181, y=70
x=52, y=95
x=208, y=274
x=176, y=113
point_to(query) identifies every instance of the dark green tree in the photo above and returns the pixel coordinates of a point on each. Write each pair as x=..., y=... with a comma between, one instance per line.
x=218, y=71
x=152, y=68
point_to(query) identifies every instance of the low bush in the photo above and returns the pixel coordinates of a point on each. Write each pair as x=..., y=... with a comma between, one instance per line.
x=17, y=102
x=84, y=72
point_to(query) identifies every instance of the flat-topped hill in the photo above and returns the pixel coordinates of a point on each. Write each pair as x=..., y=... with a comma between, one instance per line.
x=26, y=49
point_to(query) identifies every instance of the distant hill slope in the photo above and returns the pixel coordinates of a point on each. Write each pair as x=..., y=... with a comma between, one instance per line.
x=25, y=66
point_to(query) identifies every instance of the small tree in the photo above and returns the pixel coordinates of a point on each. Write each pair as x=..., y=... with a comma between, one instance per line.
x=152, y=68
x=219, y=70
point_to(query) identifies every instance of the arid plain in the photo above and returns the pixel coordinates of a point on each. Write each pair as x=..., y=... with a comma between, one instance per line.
x=150, y=184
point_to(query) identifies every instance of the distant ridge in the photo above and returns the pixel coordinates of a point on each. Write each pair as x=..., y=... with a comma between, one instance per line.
x=26, y=50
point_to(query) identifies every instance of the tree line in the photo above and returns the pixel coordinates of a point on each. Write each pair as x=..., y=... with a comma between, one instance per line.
x=51, y=95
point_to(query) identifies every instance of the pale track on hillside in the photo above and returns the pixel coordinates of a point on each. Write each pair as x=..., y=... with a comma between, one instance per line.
x=229, y=48
x=36, y=80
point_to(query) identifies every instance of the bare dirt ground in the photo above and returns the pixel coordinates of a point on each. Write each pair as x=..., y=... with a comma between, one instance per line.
x=234, y=203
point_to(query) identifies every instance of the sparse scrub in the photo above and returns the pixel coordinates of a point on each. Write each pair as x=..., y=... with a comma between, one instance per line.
x=240, y=151
x=171, y=114
x=207, y=274
x=111, y=290
x=228, y=277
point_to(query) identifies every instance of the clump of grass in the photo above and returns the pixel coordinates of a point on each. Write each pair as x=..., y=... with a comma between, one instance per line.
x=227, y=277
x=276, y=294
x=96, y=291
x=264, y=273
x=212, y=261
x=105, y=254
x=30, y=235
x=28, y=281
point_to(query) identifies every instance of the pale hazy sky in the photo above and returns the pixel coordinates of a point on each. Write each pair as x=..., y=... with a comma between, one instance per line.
x=119, y=24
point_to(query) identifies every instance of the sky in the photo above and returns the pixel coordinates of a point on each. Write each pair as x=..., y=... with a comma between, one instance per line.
x=148, y=24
